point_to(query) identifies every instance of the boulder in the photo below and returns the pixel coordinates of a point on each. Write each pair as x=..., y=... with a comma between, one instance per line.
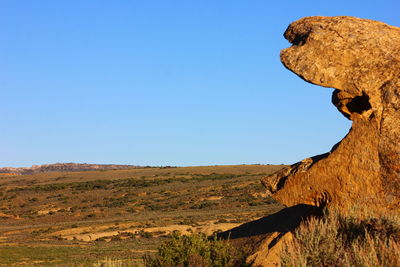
x=360, y=59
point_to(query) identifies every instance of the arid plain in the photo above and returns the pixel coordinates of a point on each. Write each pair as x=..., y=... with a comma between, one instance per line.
x=80, y=218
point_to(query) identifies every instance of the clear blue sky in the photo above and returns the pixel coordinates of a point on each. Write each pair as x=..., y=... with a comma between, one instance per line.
x=162, y=82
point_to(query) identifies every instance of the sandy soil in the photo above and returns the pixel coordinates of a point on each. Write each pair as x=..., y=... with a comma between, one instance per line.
x=92, y=233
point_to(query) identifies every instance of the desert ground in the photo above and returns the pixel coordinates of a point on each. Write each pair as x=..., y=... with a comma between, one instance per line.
x=81, y=218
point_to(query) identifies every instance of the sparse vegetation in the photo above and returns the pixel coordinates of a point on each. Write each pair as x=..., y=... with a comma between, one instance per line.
x=337, y=240
x=109, y=262
x=130, y=211
x=195, y=250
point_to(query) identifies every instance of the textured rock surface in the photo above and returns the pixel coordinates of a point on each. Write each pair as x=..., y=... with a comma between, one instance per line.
x=264, y=237
x=361, y=59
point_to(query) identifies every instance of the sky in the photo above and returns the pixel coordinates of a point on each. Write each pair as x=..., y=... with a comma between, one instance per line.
x=179, y=83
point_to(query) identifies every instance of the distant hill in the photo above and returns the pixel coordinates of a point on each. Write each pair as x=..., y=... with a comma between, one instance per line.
x=65, y=167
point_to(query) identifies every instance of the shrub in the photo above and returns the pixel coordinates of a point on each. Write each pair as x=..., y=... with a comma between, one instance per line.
x=116, y=238
x=203, y=205
x=154, y=207
x=195, y=250
x=91, y=215
x=131, y=210
x=115, y=203
x=222, y=220
x=109, y=262
x=145, y=234
x=335, y=240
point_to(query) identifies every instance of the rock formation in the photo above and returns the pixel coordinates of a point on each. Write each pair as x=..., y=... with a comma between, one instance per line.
x=360, y=58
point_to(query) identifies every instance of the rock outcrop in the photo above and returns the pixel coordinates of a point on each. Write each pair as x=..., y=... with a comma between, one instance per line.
x=360, y=58
x=264, y=237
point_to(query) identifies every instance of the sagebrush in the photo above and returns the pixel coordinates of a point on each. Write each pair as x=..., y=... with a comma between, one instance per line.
x=196, y=250
x=337, y=240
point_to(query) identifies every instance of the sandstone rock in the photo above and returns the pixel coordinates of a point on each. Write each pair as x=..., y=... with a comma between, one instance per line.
x=269, y=255
x=264, y=238
x=360, y=58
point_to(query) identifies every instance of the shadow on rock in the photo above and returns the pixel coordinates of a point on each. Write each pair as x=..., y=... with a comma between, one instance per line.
x=261, y=240
x=283, y=221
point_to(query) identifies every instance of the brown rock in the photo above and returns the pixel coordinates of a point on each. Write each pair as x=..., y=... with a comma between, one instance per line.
x=264, y=238
x=268, y=255
x=360, y=58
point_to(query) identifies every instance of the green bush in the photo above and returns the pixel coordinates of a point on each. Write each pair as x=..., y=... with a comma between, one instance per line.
x=195, y=250
x=145, y=234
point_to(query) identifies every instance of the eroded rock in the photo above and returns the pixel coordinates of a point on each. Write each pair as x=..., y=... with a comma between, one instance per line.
x=360, y=58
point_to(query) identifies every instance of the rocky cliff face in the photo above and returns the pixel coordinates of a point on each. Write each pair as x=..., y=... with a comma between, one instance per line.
x=360, y=58
x=65, y=167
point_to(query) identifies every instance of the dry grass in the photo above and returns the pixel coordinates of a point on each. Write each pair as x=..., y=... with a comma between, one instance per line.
x=109, y=262
x=129, y=212
x=350, y=240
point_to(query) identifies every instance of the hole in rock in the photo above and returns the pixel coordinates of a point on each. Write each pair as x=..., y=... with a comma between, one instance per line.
x=299, y=39
x=359, y=104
